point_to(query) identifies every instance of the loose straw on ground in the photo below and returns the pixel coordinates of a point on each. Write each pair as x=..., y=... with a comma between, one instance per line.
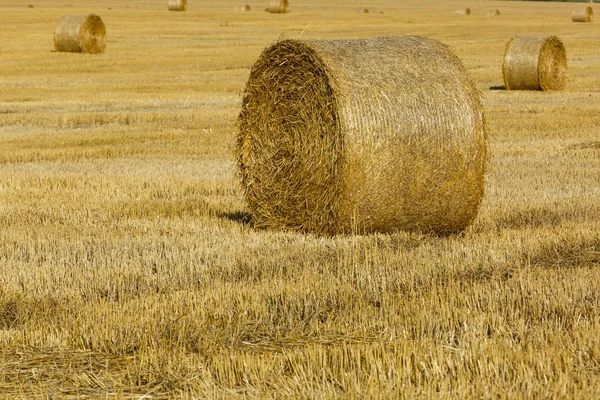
x=585, y=14
x=535, y=63
x=80, y=34
x=370, y=135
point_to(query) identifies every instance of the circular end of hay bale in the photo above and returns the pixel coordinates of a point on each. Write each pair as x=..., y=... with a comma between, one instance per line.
x=535, y=63
x=80, y=34
x=585, y=14
x=343, y=136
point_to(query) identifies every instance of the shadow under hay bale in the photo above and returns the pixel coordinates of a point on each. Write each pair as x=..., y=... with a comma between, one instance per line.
x=493, y=13
x=371, y=135
x=80, y=34
x=534, y=63
x=278, y=7
x=585, y=14
x=177, y=5
x=466, y=11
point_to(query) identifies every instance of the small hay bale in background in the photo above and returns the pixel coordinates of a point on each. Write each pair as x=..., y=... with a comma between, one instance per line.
x=585, y=14
x=534, y=63
x=370, y=135
x=177, y=5
x=278, y=7
x=246, y=8
x=365, y=11
x=80, y=34
x=30, y=6
x=466, y=11
x=493, y=13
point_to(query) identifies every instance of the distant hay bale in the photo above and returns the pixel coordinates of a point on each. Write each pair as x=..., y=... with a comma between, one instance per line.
x=370, y=135
x=585, y=14
x=278, y=7
x=177, y=5
x=80, y=34
x=534, y=63
x=246, y=8
x=493, y=13
x=465, y=11
x=30, y=6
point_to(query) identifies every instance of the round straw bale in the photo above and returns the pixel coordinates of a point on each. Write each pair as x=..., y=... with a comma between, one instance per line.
x=493, y=13
x=246, y=8
x=177, y=5
x=370, y=135
x=365, y=11
x=534, y=63
x=465, y=11
x=585, y=14
x=278, y=7
x=80, y=34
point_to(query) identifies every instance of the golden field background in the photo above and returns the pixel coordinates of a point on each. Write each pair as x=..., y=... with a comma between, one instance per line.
x=128, y=267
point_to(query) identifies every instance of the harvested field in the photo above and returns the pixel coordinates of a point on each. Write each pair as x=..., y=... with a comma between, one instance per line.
x=130, y=266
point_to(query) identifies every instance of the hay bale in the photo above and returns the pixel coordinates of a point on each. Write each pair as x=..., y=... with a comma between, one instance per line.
x=465, y=11
x=493, y=13
x=585, y=14
x=80, y=34
x=365, y=11
x=246, y=8
x=370, y=135
x=177, y=5
x=278, y=7
x=534, y=63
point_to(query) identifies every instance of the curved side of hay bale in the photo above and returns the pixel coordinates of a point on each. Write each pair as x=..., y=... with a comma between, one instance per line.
x=585, y=14
x=466, y=11
x=493, y=13
x=80, y=34
x=177, y=5
x=370, y=135
x=278, y=7
x=534, y=63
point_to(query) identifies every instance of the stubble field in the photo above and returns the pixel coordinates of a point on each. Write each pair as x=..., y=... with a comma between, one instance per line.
x=129, y=266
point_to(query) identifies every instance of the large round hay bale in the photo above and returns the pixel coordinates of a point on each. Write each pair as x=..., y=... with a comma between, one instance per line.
x=278, y=7
x=464, y=11
x=80, y=34
x=534, y=63
x=177, y=5
x=585, y=14
x=370, y=135
x=493, y=13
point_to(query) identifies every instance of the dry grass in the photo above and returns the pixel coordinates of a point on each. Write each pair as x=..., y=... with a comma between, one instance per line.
x=128, y=267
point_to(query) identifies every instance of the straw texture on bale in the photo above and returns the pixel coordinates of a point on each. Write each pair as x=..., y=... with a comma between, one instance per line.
x=278, y=7
x=80, y=34
x=535, y=63
x=585, y=14
x=177, y=5
x=493, y=13
x=466, y=11
x=370, y=135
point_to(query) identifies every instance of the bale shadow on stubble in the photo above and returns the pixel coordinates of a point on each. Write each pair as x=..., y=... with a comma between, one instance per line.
x=501, y=87
x=240, y=217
